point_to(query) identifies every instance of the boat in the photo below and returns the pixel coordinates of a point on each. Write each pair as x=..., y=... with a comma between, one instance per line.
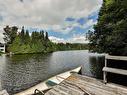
x=4, y=92
x=49, y=83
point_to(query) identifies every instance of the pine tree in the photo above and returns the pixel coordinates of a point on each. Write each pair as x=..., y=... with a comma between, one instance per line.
x=22, y=35
x=46, y=36
x=27, y=37
x=42, y=35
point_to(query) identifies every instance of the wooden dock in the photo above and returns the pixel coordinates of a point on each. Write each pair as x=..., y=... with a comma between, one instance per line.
x=83, y=85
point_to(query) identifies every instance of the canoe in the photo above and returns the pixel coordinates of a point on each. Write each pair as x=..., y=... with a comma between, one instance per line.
x=4, y=92
x=49, y=83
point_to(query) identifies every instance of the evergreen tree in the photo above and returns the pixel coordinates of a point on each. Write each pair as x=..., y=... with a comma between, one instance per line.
x=46, y=36
x=14, y=30
x=22, y=35
x=42, y=35
x=27, y=37
x=36, y=43
x=32, y=37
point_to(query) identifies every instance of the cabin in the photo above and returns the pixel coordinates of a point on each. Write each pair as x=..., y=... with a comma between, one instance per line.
x=2, y=47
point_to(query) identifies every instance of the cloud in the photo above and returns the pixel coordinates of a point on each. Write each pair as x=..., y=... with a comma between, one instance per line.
x=57, y=15
x=78, y=39
x=44, y=12
x=89, y=23
x=57, y=40
x=75, y=39
x=69, y=26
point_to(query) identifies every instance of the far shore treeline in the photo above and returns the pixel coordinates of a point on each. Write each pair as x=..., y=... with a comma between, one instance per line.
x=20, y=42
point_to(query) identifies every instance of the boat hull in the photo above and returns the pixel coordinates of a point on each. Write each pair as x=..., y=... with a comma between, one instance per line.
x=44, y=85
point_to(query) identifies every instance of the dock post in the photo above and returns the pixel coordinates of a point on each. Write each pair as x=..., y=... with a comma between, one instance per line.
x=105, y=73
x=105, y=77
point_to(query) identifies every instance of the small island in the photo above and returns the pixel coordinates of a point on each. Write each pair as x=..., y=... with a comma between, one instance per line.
x=21, y=42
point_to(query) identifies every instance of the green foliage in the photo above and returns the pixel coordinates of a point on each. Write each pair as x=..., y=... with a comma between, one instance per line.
x=10, y=34
x=0, y=53
x=42, y=37
x=27, y=37
x=22, y=35
x=69, y=46
x=46, y=36
x=36, y=43
x=110, y=33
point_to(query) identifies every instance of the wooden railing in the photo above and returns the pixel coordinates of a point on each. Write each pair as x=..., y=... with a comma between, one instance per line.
x=113, y=70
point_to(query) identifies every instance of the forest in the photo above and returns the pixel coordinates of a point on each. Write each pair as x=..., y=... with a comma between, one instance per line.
x=110, y=32
x=20, y=42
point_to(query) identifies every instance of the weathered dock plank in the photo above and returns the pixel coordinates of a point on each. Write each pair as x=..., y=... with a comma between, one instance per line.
x=83, y=85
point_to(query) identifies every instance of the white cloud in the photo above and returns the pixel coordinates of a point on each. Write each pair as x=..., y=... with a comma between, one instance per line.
x=44, y=12
x=57, y=40
x=78, y=39
x=68, y=27
x=75, y=39
x=89, y=23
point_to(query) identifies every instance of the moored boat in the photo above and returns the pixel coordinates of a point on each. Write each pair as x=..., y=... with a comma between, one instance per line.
x=49, y=83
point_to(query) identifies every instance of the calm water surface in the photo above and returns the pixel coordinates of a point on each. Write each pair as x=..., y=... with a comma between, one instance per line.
x=19, y=72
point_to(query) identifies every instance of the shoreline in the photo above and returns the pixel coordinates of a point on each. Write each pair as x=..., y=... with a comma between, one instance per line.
x=41, y=52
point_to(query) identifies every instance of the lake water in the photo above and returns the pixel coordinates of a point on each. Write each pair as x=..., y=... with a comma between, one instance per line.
x=19, y=72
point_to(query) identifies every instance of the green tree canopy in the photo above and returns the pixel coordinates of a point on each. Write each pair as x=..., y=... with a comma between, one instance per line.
x=38, y=42
x=46, y=36
x=27, y=37
x=10, y=34
x=110, y=33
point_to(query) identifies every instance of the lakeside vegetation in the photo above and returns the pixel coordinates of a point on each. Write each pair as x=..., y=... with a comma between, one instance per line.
x=20, y=42
x=0, y=53
x=110, y=32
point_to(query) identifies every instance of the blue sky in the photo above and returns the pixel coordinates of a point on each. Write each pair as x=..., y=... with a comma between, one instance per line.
x=64, y=20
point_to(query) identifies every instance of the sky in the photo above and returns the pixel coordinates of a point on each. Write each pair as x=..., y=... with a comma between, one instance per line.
x=64, y=20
